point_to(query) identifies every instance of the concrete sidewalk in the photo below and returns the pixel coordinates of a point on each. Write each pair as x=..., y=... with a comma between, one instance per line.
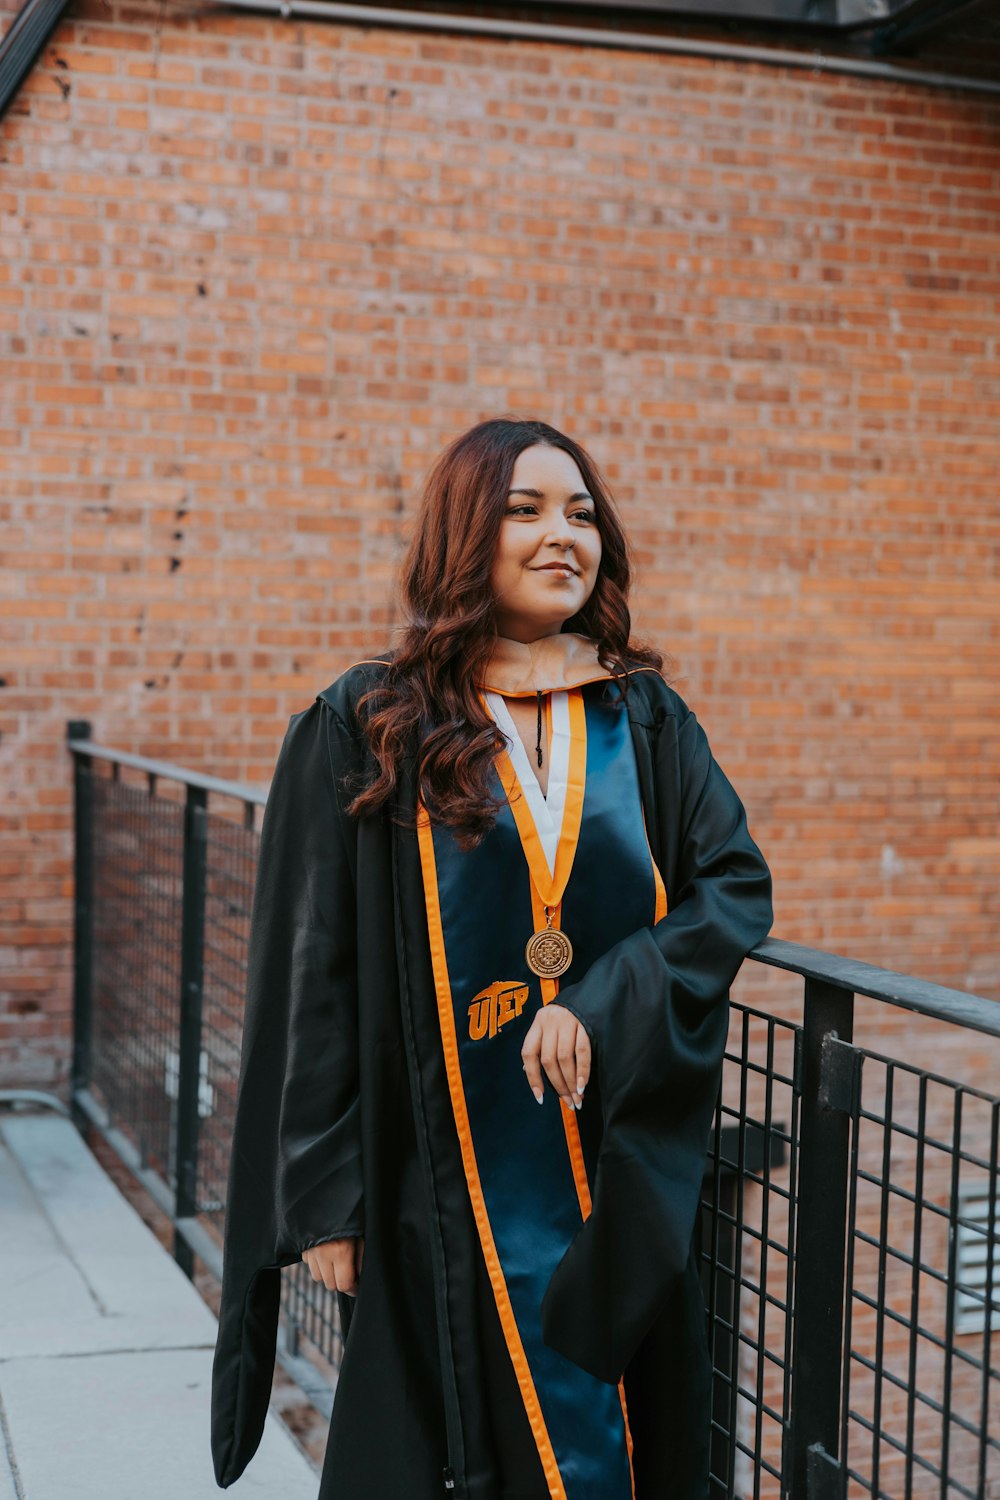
x=105, y=1346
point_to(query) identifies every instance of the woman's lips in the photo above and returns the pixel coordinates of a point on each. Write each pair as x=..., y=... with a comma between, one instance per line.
x=563, y=568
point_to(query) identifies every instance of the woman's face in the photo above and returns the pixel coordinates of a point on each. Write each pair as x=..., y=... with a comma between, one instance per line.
x=549, y=548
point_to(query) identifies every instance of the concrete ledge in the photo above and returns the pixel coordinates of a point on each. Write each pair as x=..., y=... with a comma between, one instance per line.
x=105, y=1346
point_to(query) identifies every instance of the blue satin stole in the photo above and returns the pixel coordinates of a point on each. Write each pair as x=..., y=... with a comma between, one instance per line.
x=528, y=1174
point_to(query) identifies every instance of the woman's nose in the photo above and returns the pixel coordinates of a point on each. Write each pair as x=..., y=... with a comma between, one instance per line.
x=560, y=533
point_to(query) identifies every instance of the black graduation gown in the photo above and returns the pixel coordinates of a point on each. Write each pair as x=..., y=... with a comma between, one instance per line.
x=344, y=1126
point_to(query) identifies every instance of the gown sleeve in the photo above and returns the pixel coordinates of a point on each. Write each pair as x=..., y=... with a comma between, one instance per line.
x=655, y=1007
x=295, y=1171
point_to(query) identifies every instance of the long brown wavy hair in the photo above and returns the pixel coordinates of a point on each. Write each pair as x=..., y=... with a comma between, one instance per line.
x=427, y=702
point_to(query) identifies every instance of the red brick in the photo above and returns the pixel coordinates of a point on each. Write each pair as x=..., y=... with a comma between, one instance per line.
x=766, y=301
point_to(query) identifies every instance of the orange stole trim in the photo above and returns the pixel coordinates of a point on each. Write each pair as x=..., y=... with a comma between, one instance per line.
x=550, y=885
x=442, y=986
x=543, y=882
x=550, y=988
x=661, y=890
x=571, y=1126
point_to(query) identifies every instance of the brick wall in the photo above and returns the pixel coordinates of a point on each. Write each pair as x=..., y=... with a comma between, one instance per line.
x=256, y=273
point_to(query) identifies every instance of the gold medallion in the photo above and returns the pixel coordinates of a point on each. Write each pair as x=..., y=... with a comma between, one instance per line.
x=549, y=952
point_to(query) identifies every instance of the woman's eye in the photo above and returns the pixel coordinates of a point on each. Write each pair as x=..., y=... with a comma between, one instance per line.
x=532, y=510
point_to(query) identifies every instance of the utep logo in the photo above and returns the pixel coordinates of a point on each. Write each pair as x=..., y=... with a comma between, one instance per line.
x=493, y=1007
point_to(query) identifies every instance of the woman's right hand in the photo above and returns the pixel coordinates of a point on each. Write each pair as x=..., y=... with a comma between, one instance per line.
x=337, y=1264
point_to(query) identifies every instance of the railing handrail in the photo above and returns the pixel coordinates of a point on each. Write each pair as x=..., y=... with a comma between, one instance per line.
x=922, y=996
x=960, y=1007
x=168, y=770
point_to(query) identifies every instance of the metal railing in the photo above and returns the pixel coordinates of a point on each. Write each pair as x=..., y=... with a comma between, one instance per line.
x=849, y=1231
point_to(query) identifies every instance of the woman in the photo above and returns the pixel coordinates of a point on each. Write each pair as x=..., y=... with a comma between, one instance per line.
x=498, y=865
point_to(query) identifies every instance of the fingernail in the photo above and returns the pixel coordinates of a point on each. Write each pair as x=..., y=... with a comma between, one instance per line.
x=580, y=1085
x=538, y=1095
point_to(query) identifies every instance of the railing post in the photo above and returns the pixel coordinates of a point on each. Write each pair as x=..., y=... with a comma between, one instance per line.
x=820, y=1251
x=189, y=1042
x=83, y=918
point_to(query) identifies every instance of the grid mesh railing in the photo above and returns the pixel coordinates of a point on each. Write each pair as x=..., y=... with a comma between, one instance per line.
x=137, y=895
x=849, y=1227
x=921, y=1383
x=747, y=1226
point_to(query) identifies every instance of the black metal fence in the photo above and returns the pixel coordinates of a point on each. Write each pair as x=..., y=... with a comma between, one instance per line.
x=849, y=1231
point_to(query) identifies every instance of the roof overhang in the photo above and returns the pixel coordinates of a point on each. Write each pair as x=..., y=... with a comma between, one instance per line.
x=951, y=43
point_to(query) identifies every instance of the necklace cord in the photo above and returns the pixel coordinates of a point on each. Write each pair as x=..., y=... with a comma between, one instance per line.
x=538, y=737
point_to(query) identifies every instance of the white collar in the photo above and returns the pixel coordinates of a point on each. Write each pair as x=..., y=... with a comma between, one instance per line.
x=547, y=808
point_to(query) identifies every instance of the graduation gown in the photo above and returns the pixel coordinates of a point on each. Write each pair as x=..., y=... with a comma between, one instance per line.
x=344, y=1126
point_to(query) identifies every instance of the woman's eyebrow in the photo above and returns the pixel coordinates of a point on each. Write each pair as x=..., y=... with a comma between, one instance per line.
x=540, y=494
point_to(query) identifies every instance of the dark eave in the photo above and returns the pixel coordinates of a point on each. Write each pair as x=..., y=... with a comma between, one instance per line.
x=940, y=43
x=22, y=44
